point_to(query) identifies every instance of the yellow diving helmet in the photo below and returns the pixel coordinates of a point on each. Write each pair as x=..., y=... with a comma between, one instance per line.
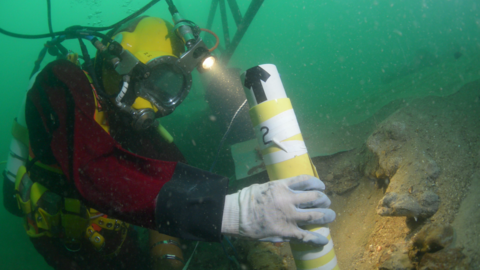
x=148, y=71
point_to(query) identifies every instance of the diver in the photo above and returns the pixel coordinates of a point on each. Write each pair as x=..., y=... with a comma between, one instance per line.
x=93, y=161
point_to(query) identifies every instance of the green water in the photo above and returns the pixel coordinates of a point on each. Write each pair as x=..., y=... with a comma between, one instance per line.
x=332, y=56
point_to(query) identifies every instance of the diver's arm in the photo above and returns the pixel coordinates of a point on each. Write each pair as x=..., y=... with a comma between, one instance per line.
x=172, y=198
x=191, y=204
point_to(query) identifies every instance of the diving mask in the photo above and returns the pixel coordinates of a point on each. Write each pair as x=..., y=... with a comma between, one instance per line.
x=149, y=57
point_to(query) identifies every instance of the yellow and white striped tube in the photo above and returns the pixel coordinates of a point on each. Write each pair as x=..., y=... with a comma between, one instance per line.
x=283, y=150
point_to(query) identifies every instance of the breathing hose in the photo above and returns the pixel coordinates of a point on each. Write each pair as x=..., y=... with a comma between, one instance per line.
x=75, y=29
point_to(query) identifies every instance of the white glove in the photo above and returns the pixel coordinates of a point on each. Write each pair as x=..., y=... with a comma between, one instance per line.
x=274, y=210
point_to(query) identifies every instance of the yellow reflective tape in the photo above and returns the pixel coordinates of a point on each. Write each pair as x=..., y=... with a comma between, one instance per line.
x=290, y=168
x=292, y=149
x=274, y=148
x=277, y=129
x=314, y=254
x=315, y=263
x=313, y=228
x=306, y=247
x=269, y=109
x=297, y=137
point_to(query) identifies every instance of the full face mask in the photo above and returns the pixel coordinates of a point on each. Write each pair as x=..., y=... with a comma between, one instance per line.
x=149, y=55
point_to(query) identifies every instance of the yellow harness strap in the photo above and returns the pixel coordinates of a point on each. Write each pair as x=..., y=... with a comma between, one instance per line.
x=40, y=206
x=48, y=214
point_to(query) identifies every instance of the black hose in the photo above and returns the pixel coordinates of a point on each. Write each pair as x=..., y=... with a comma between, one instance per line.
x=171, y=7
x=69, y=34
x=36, y=66
x=15, y=35
x=75, y=29
x=86, y=56
x=49, y=12
x=55, y=42
x=89, y=66
x=93, y=74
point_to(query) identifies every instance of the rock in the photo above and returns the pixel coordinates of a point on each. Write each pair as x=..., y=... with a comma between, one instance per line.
x=444, y=259
x=265, y=256
x=385, y=144
x=374, y=142
x=394, y=204
x=344, y=177
x=395, y=130
x=344, y=185
x=430, y=202
x=396, y=258
x=430, y=239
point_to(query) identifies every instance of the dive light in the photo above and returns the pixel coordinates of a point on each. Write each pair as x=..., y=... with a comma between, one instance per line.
x=208, y=62
x=197, y=54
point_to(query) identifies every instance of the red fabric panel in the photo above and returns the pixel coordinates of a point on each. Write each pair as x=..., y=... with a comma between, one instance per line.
x=115, y=179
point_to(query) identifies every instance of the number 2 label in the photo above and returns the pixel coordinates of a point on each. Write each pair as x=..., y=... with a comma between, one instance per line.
x=265, y=134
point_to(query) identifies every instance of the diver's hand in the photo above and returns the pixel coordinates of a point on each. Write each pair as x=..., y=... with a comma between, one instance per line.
x=274, y=210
